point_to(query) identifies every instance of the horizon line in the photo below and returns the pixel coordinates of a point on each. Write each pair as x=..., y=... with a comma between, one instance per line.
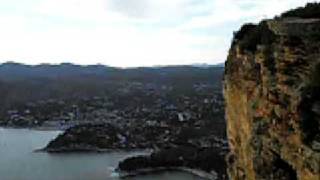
x=101, y=64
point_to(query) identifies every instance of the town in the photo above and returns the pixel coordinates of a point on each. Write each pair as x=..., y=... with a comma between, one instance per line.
x=171, y=109
x=149, y=104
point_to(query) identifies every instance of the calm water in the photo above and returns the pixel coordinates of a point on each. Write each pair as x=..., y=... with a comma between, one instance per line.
x=19, y=162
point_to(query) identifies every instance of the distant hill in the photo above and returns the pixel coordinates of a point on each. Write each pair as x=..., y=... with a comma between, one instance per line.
x=14, y=71
x=20, y=83
x=204, y=65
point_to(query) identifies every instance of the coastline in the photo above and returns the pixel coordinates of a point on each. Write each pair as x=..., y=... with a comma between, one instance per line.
x=146, y=171
x=91, y=150
x=40, y=128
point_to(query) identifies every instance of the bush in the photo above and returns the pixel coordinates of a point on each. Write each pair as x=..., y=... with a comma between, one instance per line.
x=311, y=10
x=250, y=36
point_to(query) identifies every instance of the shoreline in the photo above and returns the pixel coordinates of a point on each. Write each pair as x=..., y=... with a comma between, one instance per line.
x=147, y=171
x=122, y=174
x=90, y=150
x=40, y=128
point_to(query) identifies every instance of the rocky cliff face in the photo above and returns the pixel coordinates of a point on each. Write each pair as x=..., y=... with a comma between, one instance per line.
x=272, y=92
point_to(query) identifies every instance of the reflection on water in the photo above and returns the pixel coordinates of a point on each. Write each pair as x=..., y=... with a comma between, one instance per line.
x=19, y=162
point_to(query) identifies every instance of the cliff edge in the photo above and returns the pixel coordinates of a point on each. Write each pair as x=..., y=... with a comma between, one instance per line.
x=272, y=93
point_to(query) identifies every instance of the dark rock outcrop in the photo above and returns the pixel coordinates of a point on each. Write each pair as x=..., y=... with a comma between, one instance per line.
x=208, y=160
x=272, y=92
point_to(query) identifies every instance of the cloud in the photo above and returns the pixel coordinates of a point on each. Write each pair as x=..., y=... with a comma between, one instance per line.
x=127, y=32
x=233, y=11
x=131, y=8
x=149, y=9
x=113, y=46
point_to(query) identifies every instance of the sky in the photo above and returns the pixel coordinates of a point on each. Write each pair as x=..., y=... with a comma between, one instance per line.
x=127, y=33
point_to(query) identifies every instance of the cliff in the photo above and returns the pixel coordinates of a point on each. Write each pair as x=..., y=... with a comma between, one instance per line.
x=272, y=93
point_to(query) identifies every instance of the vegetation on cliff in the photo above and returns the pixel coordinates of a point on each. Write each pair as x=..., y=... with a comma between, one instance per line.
x=311, y=10
x=250, y=35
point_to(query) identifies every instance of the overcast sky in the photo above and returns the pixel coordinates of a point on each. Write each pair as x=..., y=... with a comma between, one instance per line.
x=127, y=32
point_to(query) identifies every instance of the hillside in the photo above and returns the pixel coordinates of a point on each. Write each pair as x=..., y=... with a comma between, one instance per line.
x=33, y=95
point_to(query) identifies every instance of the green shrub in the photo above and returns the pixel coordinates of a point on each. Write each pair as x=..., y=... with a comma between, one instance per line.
x=249, y=36
x=311, y=10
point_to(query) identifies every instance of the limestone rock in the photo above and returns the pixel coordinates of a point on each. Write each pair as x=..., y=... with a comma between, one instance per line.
x=272, y=92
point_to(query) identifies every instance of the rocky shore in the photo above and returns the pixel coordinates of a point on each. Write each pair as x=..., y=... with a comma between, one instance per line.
x=200, y=173
x=205, y=162
x=172, y=147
